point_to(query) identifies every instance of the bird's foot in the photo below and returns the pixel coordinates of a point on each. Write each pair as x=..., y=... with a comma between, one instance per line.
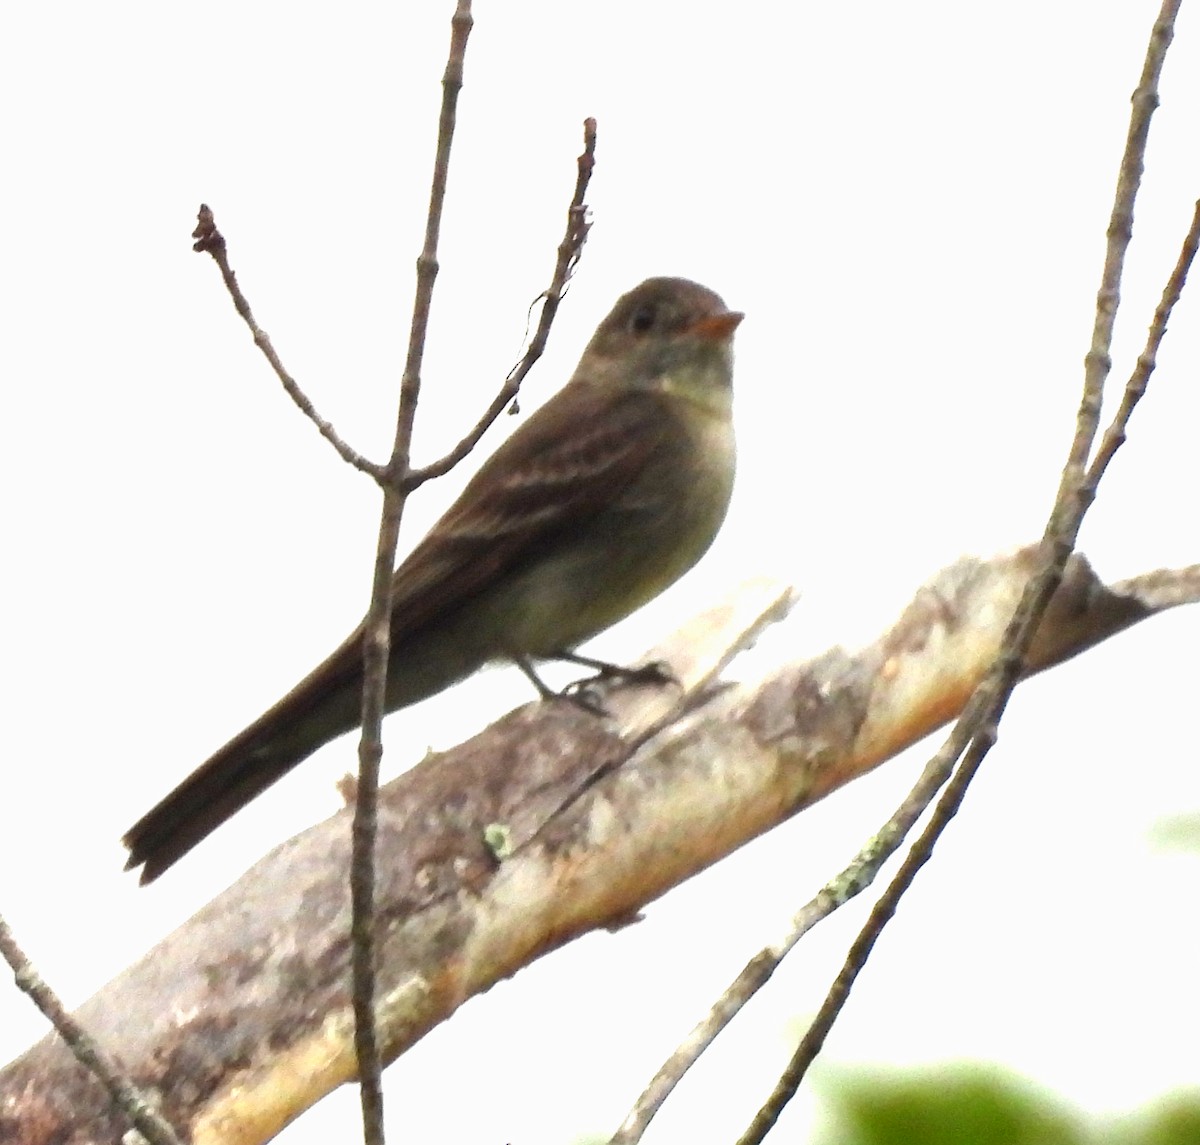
x=588, y=693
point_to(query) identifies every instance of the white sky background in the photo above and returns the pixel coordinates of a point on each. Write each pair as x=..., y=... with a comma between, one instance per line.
x=908, y=201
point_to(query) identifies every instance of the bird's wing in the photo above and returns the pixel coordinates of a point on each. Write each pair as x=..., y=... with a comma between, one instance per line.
x=562, y=467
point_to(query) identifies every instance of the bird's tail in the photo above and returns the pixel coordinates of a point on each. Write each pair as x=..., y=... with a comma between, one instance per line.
x=321, y=707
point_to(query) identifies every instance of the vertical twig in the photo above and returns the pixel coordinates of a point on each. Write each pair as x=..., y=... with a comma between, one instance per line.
x=376, y=627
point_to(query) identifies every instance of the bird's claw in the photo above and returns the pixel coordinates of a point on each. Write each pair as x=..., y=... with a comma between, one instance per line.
x=584, y=694
x=587, y=693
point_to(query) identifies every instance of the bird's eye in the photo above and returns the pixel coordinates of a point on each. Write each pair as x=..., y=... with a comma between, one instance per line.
x=642, y=319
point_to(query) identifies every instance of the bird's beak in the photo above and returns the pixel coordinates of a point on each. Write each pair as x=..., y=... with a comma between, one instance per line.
x=717, y=327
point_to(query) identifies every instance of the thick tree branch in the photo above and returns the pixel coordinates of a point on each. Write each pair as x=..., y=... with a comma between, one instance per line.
x=242, y=1018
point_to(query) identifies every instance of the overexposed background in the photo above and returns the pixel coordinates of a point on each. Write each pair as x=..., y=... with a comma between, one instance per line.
x=908, y=201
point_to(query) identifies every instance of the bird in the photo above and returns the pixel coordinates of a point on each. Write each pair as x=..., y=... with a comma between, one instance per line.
x=604, y=497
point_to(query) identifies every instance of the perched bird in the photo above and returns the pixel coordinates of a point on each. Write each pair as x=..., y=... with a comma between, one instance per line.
x=604, y=497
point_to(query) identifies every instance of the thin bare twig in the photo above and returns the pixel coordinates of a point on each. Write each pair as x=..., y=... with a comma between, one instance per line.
x=569, y=251
x=209, y=240
x=1076, y=492
x=859, y=874
x=1098, y=360
x=376, y=626
x=124, y=1093
x=1114, y=436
